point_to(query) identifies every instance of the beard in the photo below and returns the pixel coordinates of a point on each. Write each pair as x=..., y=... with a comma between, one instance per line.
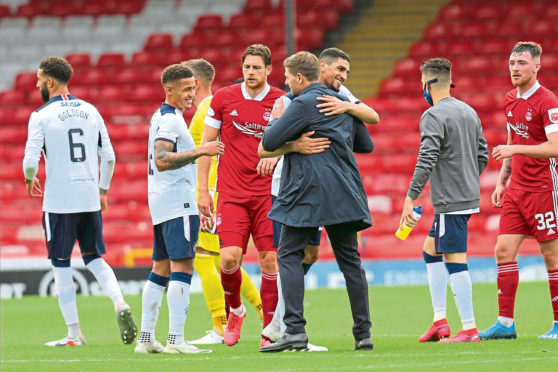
x=44, y=93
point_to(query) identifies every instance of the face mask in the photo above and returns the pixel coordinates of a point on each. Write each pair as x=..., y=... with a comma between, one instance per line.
x=426, y=93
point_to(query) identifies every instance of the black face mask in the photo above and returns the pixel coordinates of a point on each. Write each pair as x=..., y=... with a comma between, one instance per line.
x=44, y=93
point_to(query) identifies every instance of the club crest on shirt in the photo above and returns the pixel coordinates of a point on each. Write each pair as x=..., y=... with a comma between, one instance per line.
x=553, y=115
x=267, y=115
x=528, y=116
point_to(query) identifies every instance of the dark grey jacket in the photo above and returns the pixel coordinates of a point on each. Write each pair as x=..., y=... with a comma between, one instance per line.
x=453, y=153
x=325, y=188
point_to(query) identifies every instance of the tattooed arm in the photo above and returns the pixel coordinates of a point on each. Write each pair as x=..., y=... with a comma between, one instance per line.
x=503, y=178
x=166, y=159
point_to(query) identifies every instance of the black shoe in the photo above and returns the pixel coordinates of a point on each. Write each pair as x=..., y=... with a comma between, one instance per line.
x=297, y=341
x=364, y=344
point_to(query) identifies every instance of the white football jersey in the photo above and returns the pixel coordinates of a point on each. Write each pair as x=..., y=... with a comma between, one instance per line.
x=171, y=193
x=287, y=98
x=71, y=133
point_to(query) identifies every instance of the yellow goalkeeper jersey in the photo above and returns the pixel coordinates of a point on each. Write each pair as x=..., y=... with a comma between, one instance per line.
x=196, y=130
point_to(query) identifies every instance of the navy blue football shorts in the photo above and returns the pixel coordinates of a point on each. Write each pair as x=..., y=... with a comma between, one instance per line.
x=450, y=232
x=62, y=230
x=315, y=239
x=176, y=238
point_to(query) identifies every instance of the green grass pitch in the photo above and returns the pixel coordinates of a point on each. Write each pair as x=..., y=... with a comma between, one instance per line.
x=399, y=316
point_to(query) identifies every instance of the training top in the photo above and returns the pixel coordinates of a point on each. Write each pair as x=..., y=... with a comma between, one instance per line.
x=171, y=193
x=242, y=121
x=530, y=118
x=71, y=134
x=453, y=153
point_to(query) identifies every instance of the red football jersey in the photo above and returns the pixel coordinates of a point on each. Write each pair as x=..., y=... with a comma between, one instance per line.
x=242, y=121
x=529, y=119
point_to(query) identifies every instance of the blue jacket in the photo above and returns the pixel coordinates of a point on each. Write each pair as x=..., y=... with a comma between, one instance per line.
x=325, y=188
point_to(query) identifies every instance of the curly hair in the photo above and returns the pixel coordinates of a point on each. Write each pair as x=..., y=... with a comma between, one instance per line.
x=57, y=68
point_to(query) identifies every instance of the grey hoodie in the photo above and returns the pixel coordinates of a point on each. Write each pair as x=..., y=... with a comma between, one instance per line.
x=453, y=153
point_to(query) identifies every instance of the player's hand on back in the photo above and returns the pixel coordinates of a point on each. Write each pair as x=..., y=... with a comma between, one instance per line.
x=265, y=166
x=34, y=188
x=332, y=105
x=205, y=203
x=307, y=145
x=213, y=148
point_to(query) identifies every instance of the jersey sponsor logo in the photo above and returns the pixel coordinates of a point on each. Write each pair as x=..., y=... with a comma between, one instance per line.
x=520, y=129
x=528, y=116
x=553, y=115
x=252, y=129
x=70, y=104
x=233, y=113
x=510, y=115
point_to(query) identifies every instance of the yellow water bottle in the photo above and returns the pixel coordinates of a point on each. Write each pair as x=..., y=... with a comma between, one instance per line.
x=403, y=231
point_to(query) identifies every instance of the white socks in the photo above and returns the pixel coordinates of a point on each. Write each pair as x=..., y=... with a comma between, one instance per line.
x=66, y=291
x=280, y=309
x=438, y=283
x=178, y=298
x=506, y=322
x=463, y=295
x=151, y=299
x=106, y=278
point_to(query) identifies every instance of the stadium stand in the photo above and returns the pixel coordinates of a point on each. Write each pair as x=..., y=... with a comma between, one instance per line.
x=118, y=49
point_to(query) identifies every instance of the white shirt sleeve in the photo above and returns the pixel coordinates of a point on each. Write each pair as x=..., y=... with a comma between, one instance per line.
x=106, y=152
x=168, y=128
x=34, y=146
x=347, y=93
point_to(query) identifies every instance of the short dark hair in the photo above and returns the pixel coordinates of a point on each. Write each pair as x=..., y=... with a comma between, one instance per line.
x=57, y=68
x=304, y=63
x=439, y=68
x=534, y=49
x=331, y=55
x=203, y=70
x=258, y=50
x=173, y=73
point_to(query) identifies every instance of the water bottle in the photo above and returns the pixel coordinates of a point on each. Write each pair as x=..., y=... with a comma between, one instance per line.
x=403, y=231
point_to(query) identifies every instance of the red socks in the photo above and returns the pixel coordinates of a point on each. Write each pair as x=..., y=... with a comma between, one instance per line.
x=231, y=280
x=508, y=278
x=553, y=284
x=268, y=293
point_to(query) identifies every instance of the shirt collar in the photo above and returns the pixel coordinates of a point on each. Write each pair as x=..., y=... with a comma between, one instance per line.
x=259, y=97
x=530, y=92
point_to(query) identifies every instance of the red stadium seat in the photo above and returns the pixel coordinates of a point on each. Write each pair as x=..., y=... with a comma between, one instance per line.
x=93, y=77
x=225, y=40
x=12, y=98
x=130, y=75
x=194, y=40
x=257, y=6
x=394, y=85
x=543, y=27
x=494, y=47
x=489, y=12
x=438, y=31
x=26, y=81
x=111, y=60
x=459, y=48
x=242, y=21
x=470, y=31
x=82, y=92
x=510, y=29
x=111, y=94
x=79, y=60
x=146, y=93
x=209, y=22
x=29, y=10
x=427, y=49
x=93, y=9
x=159, y=41
x=171, y=57
x=520, y=12
x=309, y=38
x=452, y=12
x=407, y=67
x=145, y=59
x=4, y=10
